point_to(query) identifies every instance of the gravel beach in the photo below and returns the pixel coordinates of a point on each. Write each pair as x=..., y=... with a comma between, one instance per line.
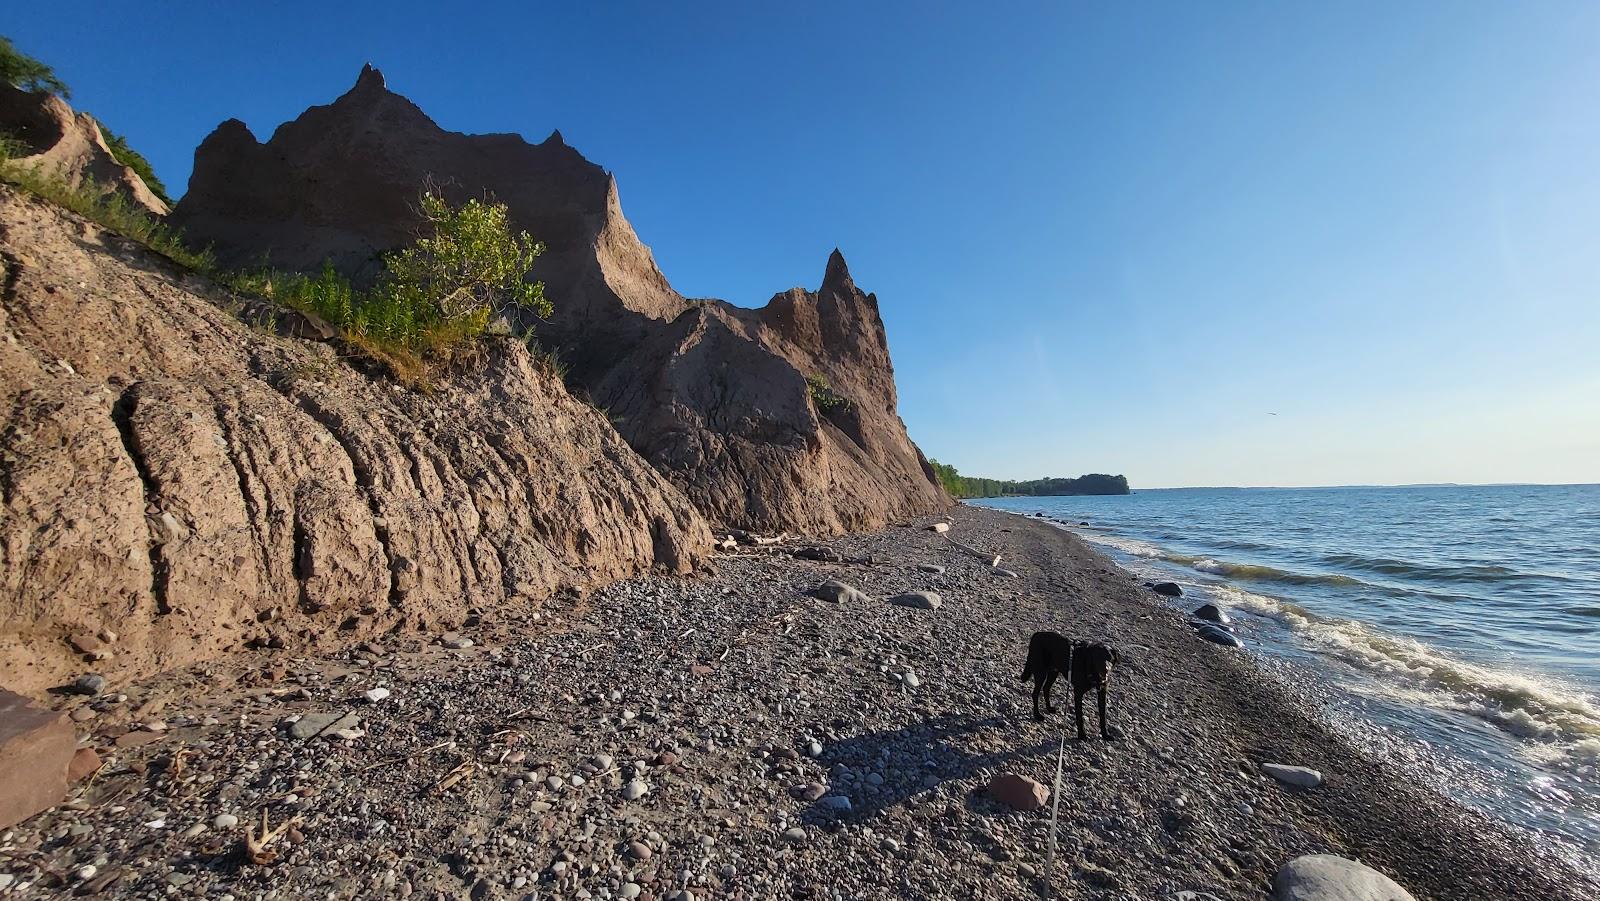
x=731, y=736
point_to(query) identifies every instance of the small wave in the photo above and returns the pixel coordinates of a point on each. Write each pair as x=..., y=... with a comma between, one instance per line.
x=1526, y=706
x=1590, y=612
x=1258, y=573
x=1482, y=572
x=1243, y=571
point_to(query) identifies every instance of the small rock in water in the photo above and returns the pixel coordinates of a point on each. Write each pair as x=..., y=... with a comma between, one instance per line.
x=1168, y=589
x=1212, y=613
x=1304, y=777
x=1218, y=635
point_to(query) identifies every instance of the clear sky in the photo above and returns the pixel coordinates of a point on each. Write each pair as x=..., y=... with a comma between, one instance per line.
x=1105, y=237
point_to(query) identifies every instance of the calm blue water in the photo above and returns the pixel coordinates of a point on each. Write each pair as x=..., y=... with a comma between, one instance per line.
x=1459, y=627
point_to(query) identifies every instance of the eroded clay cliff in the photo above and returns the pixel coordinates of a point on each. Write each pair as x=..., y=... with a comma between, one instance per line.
x=69, y=145
x=715, y=396
x=193, y=482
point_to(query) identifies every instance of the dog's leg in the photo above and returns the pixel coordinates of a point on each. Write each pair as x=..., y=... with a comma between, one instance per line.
x=1049, y=683
x=1077, y=708
x=1038, y=687
x=1104, y=732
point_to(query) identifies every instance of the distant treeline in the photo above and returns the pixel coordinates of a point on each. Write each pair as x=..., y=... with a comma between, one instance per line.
x=971, y=486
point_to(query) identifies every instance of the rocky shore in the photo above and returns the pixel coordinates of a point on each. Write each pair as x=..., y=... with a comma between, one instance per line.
x=737, y=737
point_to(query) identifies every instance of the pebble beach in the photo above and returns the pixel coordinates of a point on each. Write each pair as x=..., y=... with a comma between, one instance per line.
x=735, y=736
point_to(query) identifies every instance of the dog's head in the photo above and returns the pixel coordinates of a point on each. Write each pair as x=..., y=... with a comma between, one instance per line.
x=1096, y=659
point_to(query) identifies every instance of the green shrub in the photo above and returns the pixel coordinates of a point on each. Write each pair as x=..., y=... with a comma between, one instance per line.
x=22, y=71
x=823, y=396
x=471, y=266
x=10, y=149
x=434, y=297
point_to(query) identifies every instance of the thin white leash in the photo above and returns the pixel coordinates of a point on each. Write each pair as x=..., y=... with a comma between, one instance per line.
x=1055, y=811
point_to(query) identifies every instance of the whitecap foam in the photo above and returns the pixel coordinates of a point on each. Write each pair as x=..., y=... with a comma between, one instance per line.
x=1129, y=546
x=1532, y=707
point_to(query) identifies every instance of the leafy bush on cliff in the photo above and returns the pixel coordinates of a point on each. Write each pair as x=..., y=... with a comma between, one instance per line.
x=22, y=71
x=822, y=394
x=434, y=295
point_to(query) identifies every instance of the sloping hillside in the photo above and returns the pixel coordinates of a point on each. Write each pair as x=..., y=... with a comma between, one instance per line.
x=192, y=482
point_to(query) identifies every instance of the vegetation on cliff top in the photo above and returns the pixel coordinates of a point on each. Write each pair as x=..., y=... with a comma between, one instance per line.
x=960, y=486
x=434, y=295
x=22, y=71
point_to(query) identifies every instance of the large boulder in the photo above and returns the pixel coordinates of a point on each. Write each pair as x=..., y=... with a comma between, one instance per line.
x=69, y=145
x=721, y=399
x=176, y=476
x=1327, y=877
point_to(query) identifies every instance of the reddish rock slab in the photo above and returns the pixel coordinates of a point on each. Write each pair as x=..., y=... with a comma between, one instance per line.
x=1018, y=792
x=84, y=764
x=36, y=746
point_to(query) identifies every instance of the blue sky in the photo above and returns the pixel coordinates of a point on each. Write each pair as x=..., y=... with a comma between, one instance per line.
x=1104, y=237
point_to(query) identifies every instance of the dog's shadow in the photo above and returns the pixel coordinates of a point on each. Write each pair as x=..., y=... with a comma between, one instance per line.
x=914, y=759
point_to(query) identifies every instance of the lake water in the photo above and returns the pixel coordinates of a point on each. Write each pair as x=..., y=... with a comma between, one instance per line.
x=1459, y=627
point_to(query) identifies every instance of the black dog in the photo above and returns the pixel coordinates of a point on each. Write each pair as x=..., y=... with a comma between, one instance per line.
x=1049, y=657
x=1087, y=664
x=1091, y=668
